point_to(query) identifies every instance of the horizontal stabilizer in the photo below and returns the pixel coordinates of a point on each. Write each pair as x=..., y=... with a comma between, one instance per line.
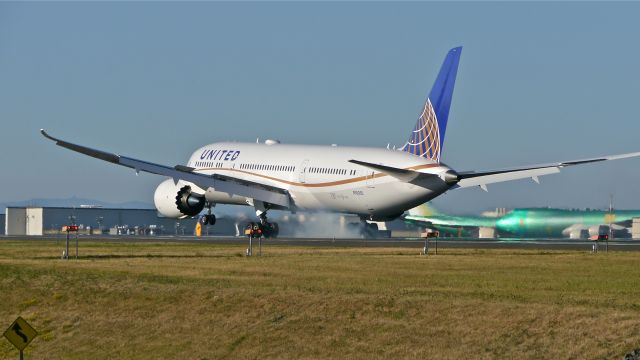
x=482, y=178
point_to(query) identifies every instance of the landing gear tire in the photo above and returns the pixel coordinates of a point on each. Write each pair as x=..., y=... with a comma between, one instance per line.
x=369, y=231
x=272, y=230
x=208, y=219
x=269, y=230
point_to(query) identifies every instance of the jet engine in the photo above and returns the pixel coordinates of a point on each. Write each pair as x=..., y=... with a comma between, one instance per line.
x=177, y=200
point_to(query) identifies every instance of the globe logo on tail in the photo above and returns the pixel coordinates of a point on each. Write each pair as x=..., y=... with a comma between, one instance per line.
x=425, y=138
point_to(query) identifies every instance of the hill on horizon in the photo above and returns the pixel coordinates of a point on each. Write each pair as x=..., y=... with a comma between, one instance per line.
x=75, y=202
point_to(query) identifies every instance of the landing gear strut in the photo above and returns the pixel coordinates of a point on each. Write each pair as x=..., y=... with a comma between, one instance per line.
x=262, y=228
x=209, y=218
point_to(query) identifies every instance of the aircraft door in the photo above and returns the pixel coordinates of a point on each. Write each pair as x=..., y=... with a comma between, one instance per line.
x=302, y=172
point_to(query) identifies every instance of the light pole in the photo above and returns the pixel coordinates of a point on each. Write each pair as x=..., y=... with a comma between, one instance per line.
x=99, y=220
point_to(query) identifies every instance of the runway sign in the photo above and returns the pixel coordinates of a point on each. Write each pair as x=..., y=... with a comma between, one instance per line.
x=20, y=333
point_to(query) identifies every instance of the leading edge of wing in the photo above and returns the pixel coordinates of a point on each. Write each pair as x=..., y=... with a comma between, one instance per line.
x=424, y=180
x=404, y=175
x=479, y=178
x=227, y=184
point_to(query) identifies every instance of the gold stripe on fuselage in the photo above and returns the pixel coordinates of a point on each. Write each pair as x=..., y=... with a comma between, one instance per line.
x=323, y=184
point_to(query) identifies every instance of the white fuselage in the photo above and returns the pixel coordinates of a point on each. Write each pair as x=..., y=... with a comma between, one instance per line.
x=320, y=177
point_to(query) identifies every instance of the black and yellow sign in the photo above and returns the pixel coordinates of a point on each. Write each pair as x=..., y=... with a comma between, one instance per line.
x=20, y=333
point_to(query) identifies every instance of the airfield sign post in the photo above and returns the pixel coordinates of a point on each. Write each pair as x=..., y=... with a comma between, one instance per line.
x=69, y=229
x=20, y=334
x=425, y=250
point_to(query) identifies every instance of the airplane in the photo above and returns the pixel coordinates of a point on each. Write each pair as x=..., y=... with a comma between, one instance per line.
x=529, y=222
x=377, y=184
x=447, y=225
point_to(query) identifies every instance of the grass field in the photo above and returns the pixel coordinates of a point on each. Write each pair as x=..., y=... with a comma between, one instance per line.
x=203, y=301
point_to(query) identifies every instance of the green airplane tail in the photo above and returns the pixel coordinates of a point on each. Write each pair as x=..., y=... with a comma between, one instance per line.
x=424, y=210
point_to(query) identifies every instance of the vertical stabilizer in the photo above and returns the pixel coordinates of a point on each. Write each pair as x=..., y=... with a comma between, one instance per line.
x=427, y=137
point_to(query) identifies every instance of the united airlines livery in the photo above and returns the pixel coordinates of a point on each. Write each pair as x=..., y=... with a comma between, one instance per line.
x=377, y=184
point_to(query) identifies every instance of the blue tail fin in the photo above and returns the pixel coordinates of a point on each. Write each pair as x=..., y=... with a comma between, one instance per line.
x=427, y=137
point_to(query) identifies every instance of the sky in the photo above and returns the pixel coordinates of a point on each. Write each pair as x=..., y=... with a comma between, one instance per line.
x=537, y=83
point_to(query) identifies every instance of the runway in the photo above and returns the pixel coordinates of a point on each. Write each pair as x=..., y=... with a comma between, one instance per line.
x=442, y=243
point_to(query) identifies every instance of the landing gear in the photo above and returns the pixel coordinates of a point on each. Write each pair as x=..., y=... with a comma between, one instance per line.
x=209, y=218
x=263, y=228
x=269, y=230
x=368, y=230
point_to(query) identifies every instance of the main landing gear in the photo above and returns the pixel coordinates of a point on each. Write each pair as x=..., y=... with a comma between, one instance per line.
x=367, y=230
x=263, y=228
x=370, y=231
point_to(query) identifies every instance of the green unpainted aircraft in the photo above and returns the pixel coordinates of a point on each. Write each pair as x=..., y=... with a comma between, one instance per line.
x=529, y=222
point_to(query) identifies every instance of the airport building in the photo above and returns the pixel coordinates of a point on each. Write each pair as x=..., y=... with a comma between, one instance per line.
x=635, y=228
x=93, y=220
x=38, y=221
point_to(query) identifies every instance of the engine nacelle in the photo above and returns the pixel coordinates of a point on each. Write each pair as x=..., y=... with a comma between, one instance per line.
x=177, y=200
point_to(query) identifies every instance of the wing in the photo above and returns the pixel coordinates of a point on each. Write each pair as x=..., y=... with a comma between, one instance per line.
x=482, y=178
x=221, y=183
x=427, y=181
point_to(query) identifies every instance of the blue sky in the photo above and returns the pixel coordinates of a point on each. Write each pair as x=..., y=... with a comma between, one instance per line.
x=538, y=82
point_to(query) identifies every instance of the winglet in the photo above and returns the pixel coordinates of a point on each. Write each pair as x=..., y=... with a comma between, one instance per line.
x=44, y=133
x=113, y=158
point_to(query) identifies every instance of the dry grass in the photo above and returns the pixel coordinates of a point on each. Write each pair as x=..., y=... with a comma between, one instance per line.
x=203, y=301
